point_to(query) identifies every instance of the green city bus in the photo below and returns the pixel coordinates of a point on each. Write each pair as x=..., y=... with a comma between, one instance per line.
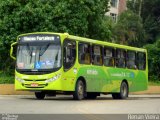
x=58, y=63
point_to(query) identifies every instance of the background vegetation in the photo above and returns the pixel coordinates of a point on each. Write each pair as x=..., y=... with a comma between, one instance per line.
x=149, y=12
x=138, y=26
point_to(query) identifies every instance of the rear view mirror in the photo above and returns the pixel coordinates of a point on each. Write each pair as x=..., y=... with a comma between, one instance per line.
x=12, y=50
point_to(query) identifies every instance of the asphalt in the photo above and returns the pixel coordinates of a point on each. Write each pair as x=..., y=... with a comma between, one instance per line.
x=27, y=104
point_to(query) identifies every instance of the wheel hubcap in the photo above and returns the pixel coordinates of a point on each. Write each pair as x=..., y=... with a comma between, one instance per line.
x=124, y=90
x=80, y=89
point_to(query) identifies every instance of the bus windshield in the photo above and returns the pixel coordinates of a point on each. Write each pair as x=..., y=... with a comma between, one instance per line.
x=38, y=57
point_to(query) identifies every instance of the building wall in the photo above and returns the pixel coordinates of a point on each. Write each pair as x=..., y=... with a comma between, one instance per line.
x=116, y=7
x=122, y=6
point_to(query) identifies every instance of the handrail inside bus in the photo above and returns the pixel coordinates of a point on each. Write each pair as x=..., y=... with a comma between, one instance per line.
x=11, y=50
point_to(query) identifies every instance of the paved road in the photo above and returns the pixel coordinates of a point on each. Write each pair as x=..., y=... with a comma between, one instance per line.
x=65, y=105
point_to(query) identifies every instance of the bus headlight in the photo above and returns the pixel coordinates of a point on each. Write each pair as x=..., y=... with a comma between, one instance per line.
x=53, y=78
x=19, y=79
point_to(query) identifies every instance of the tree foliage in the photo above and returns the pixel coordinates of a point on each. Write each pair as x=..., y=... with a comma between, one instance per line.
x=78, y=17
x=129, y=29
x=135, y=6
x=151, y=18
x=154, y=60
x=150, y=14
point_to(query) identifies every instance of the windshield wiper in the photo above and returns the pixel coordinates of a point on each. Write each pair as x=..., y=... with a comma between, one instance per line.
x=42, y=50
x=30, y=51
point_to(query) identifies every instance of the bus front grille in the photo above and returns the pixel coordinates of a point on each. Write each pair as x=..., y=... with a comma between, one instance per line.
x=34, y=80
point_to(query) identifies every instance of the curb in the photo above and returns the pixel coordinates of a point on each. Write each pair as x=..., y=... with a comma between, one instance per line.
x=8, y=89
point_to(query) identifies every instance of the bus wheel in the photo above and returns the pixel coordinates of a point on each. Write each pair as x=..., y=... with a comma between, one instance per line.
x=123, y=92
x=91, y=96
x=79, y=90
x=40, y=95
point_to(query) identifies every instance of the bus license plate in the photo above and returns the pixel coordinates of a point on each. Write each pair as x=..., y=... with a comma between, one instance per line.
x=34, y=85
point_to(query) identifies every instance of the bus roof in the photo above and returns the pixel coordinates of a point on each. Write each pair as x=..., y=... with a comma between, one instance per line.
x=104, y=43
x=83, y=39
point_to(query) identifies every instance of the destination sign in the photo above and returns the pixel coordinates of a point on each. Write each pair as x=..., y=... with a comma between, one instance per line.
x=38, y=37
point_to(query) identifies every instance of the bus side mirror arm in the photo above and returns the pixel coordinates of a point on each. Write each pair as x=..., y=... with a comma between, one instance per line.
x=11, y=51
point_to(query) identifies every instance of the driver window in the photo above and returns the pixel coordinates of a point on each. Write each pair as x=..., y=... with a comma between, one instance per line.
x=69, y=53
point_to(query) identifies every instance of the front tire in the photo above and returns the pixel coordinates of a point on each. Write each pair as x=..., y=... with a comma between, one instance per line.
x=40, y=95
x=123, y=92
x=79, y=90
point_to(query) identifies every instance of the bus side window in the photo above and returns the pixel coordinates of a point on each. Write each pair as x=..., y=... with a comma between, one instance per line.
x=141, y=61
x=120, y=58
x=84, y=53
x=131, y=60
x=97, y=55
x=69, y=53
x=108, y=56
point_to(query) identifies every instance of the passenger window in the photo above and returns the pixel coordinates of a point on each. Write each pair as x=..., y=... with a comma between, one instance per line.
x=131, y=60
x=97, y=55
x=141, y=61
x=120, y=58
x=108, y=56
x=84, y=53
x=69, y=51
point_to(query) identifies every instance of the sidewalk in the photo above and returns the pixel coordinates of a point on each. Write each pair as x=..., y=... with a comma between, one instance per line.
x=151, y=90
x=8, y=89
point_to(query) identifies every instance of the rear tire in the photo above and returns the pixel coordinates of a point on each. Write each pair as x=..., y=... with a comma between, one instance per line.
x=79, y=90
x=40, y=95
x=123, y=92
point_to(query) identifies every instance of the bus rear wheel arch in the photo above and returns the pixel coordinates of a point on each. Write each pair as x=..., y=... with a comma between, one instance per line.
x=124, y=91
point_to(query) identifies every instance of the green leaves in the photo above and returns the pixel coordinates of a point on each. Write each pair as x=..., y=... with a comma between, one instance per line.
x=77, y=17
x=150, y=14
x=154, y=60
x=129, y=29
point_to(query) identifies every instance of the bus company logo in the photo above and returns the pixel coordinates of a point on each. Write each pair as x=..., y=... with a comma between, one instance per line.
x=121, y=74
x=92, y=72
